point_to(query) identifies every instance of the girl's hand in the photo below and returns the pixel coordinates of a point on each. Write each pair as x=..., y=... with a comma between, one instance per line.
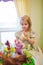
x=26, y=35
x=30, y=40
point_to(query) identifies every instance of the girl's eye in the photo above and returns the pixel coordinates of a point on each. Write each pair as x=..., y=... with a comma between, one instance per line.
x=25, y=24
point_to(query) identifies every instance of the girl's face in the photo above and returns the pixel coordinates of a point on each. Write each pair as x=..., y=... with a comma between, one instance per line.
x=25, y=25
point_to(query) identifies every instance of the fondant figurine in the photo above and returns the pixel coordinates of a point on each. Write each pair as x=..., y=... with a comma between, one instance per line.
x=19, y=46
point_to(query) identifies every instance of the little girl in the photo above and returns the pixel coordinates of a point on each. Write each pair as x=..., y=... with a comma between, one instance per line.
x=26, y=35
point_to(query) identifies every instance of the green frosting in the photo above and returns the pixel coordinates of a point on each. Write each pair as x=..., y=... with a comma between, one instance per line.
x=31, y=63
x=26, y=52
x=30, y=60
x=1, y=61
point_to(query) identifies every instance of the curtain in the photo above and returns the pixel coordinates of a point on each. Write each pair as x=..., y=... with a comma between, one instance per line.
x=5, y=0
x=22, y=7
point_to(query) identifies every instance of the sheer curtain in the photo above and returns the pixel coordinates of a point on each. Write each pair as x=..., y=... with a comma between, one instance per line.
x=23, y=7
x=8, y=15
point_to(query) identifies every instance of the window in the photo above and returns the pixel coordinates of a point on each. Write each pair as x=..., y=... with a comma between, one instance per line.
x=8, y=21
x=8, y=15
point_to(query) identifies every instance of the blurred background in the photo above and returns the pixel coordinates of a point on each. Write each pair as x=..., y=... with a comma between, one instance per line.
x=10, y=13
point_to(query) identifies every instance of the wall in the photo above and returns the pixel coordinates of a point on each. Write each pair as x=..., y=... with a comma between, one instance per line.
x=42, y=24
x=35, y=14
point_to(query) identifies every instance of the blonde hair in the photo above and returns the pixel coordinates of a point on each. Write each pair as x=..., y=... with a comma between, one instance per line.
x=26, y=18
